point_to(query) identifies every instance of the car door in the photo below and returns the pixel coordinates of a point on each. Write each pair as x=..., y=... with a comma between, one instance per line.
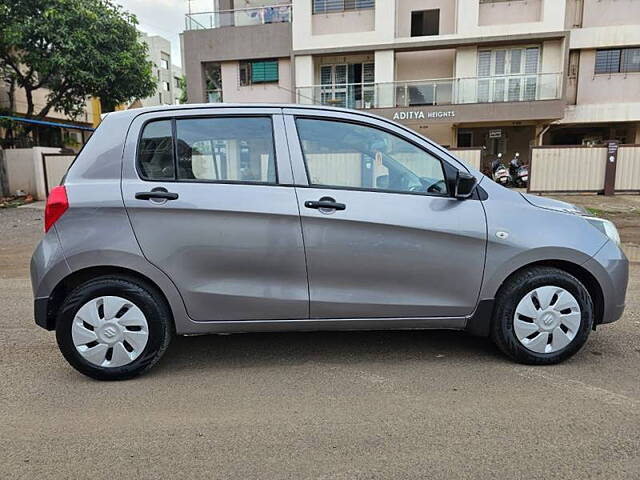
x=206, y=195
x=383, y=237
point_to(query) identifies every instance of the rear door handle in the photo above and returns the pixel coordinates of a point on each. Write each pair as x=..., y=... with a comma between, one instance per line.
x=158, y=193
x=325, y=203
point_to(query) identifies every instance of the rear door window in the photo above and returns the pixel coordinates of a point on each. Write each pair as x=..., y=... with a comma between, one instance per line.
x=226, y=149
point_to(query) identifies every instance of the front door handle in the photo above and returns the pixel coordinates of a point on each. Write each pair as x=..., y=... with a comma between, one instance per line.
x=325, y=203
x=158, y=193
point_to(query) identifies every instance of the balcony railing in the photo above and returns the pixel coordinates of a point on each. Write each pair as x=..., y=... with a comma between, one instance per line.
x=442, y=91
x=238, y=17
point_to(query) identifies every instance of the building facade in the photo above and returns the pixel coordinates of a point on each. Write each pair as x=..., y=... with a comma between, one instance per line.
x=167, y=75
x=500, y=74
x=56, y=129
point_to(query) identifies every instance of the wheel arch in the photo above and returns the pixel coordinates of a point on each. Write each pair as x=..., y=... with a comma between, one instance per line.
x=582, y=274
x=480, y=322
x=71, y=281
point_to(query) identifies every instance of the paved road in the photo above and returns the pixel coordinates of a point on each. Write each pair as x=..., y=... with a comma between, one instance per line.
x=313, y=405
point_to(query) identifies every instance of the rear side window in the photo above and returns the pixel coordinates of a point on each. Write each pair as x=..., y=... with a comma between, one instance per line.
x=155, y=155
x=226, y=149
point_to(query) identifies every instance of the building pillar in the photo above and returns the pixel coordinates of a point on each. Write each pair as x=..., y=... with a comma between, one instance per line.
x=385, y=66
x=610, y=170
x=467, y=15
x=194, y=73
x=466, y=69
x=304, y=79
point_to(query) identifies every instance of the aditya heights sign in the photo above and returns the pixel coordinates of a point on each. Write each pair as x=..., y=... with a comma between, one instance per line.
x=423, y=115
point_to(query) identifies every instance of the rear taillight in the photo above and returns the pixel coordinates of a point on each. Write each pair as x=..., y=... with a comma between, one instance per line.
x=57, y=204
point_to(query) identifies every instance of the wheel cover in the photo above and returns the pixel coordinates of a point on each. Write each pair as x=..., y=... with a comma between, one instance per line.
x=110, y=331
x=547, y=319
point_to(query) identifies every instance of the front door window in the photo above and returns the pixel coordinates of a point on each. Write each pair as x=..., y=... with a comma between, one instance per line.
x=342, y=154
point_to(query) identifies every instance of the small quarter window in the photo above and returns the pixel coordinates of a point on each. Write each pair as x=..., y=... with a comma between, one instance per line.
x=226, y=149
x=155, y=154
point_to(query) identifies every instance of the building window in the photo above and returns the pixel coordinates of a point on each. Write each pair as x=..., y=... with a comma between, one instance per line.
x=166, y=86
x=259, y=71
x=164, y=63
x=213, y=76
x=176, y=82
x=331, y=6
x=349, y=85
x=425, y=22
x=617, y=60
x=508, y=74
x=465, y=139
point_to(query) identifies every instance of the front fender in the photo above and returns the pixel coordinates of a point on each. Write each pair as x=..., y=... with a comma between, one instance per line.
x=495, y=277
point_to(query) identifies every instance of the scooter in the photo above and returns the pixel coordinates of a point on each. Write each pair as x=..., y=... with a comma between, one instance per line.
x=499, y=172
x=519, y=173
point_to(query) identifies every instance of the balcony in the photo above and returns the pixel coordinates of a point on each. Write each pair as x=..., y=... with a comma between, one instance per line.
x=436, y=92
x=238, y=17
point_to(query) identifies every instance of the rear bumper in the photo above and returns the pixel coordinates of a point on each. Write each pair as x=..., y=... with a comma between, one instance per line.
x=48, y=268
x=41, y=313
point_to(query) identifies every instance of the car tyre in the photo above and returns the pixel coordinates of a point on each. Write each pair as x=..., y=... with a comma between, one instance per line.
x=147, y=311
x=520, y=328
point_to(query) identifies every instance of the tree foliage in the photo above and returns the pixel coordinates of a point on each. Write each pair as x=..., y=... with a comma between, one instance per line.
x=182, y=85
x=75, y=49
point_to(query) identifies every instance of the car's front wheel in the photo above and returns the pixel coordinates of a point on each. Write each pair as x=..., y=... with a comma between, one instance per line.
x=113, y=328
x=543, y=315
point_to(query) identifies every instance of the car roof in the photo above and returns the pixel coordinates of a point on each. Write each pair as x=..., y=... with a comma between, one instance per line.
x=196, y=106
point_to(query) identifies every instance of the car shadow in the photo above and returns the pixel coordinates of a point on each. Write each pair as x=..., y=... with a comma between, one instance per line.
x=296, y=348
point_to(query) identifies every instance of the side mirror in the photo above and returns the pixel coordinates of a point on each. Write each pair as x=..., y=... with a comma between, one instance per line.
x=465, y=185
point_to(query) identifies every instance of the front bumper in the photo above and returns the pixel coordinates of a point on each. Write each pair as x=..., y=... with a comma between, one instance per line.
x=611, y=269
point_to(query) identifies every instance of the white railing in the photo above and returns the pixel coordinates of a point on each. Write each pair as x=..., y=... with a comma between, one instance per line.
x=238, y=17
x=441, y=91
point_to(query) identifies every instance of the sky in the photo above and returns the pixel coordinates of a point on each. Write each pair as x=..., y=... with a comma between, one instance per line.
x=165, y=18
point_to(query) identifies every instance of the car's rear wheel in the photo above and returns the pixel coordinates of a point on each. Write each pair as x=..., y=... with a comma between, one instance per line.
x=543, y=315
x=113, y=328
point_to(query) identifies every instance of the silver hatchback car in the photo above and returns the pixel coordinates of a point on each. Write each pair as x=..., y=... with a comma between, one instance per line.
x=234, y=218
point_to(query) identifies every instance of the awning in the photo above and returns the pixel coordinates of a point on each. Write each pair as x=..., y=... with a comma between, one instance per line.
x=48, y=124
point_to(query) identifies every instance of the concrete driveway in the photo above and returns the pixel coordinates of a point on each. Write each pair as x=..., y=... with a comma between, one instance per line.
x=386, y=405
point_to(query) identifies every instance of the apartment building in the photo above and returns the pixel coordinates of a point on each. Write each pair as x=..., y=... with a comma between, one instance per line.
x=499, y=74
x=167, y=75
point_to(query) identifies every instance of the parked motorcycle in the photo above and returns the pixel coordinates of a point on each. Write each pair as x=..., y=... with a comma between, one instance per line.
x=499, y=172
x=519, y=173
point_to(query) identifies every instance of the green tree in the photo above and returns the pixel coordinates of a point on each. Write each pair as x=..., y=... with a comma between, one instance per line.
x=182, y=85
x=74, y=49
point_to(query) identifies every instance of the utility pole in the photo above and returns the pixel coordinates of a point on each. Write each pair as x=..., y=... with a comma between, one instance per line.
x=4, y=181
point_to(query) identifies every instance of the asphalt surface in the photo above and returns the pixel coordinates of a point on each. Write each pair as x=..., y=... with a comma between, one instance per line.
x=386, y=405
